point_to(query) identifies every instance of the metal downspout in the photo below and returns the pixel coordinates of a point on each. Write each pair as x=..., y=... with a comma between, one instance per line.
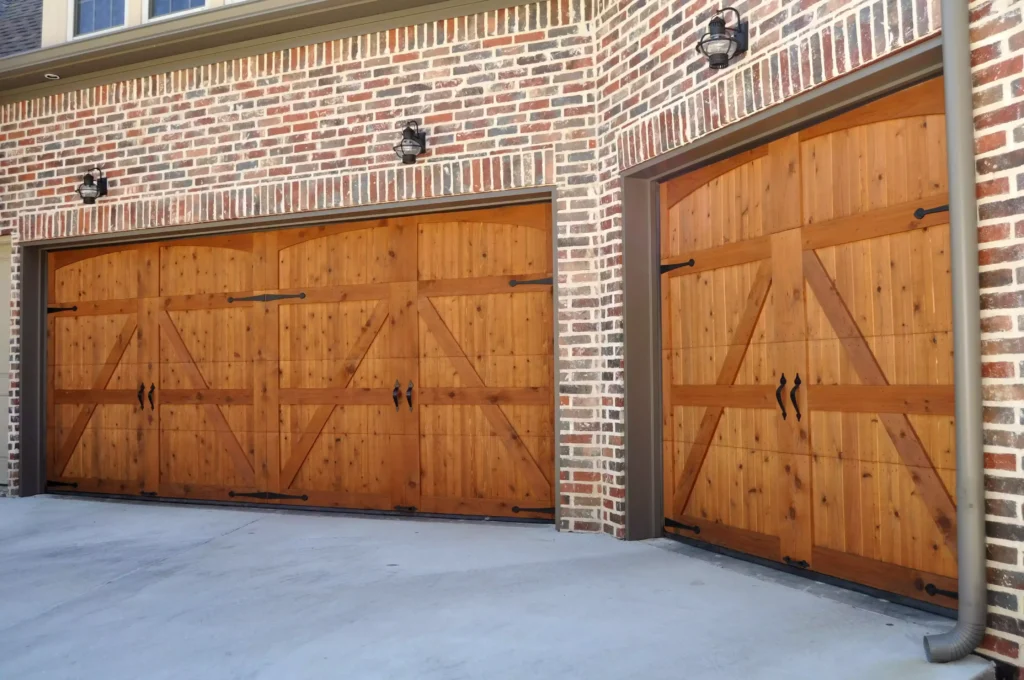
x=963, y=214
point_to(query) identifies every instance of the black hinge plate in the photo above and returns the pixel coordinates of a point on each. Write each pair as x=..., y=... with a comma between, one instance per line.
x=267, y=297
x=266, y=495
x=545, y=511
x=550, y=281
x=669, y=522
x=933, y=590
x=799, y=564
x=669, y=267
x=150, y=494
x=921, y=212
x=51, y=310
x=71, y=485
x=405, y=508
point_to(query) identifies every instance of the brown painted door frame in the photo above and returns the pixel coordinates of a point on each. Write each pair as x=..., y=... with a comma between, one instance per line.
x=641, y=213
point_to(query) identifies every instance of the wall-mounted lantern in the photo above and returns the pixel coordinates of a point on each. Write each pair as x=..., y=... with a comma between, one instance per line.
x=94, y=185
x=414, y=142
x=721, y=43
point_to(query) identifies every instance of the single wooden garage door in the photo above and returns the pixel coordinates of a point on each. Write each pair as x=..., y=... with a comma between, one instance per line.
x=395, y=364
x=807, y=338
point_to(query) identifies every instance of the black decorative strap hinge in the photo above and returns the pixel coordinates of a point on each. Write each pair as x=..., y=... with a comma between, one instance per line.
x=669, y=522
x=547, y=511
x=267, y=297
x=70, y=485
x=266, y=495
x=933, y=590
x=532, y=282
x=405, y=508
x=921, y=212
x=149, y=494
x=678, y=265
x=51, y=310
x=799, y=564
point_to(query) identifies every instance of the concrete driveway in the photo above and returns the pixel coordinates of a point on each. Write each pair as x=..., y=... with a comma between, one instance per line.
x=108, y=590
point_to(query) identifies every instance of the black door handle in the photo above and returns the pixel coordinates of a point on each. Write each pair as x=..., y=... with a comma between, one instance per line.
x=396, y=393
x=142, y=391
x=778, y=395
x=408, y=395
x=152, y=389
x=921, y=212
x=792, y=396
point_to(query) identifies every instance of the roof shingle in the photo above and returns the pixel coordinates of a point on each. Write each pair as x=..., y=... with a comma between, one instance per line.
x=21, y=26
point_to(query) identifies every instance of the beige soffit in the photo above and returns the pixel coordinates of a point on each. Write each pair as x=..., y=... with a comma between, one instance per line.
x=217, y=34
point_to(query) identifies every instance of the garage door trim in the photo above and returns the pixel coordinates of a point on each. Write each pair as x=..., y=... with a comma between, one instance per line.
x=641, y=240
x=34, y=294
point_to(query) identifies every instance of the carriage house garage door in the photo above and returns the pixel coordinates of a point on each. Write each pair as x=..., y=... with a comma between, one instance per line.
x=402, y=363
x=807, y=350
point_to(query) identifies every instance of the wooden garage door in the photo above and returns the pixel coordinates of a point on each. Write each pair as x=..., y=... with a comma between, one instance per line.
x=808, y=350
x=395, y=364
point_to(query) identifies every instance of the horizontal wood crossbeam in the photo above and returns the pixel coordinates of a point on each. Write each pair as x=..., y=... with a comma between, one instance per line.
x=220, y=397
x=97, y=396
x=350, y=293
x=895, y=219
x=887, y=221
x=918, y=399
x=751, y=542
x=729, y=255
x=96, y=308
x=726, y=396
x=188, y=303
x=897, y=425
x=886, y=576
x=473, y=396
x=338, y=396
x=483, y=285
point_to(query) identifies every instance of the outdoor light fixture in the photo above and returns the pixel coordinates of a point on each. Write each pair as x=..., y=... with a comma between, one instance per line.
x=93, y=185
x=414, y=142
x=721, y=43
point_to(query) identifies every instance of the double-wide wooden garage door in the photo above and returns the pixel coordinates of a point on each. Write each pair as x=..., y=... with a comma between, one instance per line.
x=808, y=350
x=401, y=363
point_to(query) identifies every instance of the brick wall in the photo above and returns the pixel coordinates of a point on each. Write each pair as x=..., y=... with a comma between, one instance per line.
x=563, y=93
x=507, y=99
x=655, y=93
x=998, y=56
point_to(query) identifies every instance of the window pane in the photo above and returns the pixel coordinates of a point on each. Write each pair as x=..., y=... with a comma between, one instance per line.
x=97, y=15
x=159, y=8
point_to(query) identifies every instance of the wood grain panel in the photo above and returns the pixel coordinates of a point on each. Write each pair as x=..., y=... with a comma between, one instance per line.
x=295, y=394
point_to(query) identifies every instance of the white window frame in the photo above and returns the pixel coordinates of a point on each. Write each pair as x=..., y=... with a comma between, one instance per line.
x=73, y=14
x=147, y=7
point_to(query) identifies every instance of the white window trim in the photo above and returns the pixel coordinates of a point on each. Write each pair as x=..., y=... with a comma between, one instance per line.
x=147, y=4
x=72, y=15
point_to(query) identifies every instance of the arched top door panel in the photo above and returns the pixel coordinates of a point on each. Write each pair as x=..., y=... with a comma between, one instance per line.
x=353, y=253
x=94, y=274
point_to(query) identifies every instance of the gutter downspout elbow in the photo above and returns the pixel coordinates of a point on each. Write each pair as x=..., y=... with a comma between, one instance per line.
x=963, y=213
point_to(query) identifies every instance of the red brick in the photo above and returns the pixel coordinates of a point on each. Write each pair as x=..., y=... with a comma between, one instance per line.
x=1001, y=461
x=997, y=369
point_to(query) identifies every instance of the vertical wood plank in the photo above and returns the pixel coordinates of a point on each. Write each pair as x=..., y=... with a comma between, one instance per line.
x=265, y=354
x=148, y=360
x=789, y=350
x=783, y=196
x=403, y=338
